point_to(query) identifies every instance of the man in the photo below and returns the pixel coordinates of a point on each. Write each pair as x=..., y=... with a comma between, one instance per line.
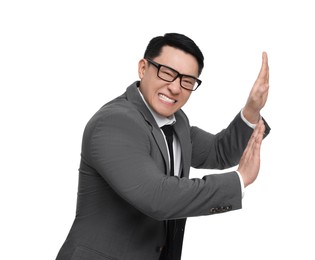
x=134, y=193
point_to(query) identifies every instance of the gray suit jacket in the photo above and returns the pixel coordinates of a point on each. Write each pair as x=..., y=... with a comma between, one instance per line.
x=124, y=195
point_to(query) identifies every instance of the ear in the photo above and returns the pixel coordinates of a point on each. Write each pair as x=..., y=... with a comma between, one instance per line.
x=141, y=68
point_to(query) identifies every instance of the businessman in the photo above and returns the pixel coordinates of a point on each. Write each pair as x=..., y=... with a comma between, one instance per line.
x=134, y=192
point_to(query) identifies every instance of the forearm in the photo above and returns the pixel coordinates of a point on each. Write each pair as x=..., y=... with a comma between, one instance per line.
x=222, y=150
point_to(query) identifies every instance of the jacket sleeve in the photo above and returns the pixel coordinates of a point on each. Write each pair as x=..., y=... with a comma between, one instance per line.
x=118, y=148
x=222, y=150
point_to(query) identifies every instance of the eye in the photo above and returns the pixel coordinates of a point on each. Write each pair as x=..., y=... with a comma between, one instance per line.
x=188, y=81
x=168, y=72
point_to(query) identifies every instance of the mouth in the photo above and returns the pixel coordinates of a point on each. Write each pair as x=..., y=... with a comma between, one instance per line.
x=167, y=99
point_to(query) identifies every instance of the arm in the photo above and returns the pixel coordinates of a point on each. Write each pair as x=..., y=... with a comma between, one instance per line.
x=222, y=150
x=250, y=161
x=119, y=147
x=227, y=150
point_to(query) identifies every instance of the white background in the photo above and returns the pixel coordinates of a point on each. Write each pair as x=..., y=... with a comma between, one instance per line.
x=62, y=60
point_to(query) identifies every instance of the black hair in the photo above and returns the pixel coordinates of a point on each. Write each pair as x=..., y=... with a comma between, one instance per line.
x=178, y=41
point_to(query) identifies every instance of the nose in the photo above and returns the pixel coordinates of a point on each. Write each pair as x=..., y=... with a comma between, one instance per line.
x=175, y=87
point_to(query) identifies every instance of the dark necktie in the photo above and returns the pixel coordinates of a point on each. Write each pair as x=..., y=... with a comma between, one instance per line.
x=168, y=132
x=171, y=224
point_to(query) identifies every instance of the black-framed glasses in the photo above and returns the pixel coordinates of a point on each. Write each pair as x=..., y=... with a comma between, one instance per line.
x=169, y=74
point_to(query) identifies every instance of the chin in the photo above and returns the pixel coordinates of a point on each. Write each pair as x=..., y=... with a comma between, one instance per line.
x=166, y=112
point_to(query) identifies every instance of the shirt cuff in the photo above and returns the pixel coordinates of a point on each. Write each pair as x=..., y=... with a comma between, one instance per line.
x=242, y=184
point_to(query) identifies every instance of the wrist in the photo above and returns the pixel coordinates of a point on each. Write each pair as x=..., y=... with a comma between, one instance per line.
x=251, y=115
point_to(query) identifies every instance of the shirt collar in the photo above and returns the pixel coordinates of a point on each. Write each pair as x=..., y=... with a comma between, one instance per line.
x=160, y=120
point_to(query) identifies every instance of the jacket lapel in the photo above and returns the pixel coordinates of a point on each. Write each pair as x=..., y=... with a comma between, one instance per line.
x=182, y=131
x=134, y=97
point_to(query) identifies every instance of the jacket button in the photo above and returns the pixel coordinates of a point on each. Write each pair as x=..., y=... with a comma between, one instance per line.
x=213, y=210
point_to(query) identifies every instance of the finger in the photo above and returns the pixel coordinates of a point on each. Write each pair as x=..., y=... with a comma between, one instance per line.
x=251, y=142
x=267, y=64
x=257, y=135
x=264, y=70
x=258, y=128
x=262, y=128
x=259, y=138
x=265, y=57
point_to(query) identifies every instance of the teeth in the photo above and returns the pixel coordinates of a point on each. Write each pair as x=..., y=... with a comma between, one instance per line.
x=165, y=98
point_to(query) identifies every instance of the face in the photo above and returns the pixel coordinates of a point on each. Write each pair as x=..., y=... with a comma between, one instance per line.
x=165, y=98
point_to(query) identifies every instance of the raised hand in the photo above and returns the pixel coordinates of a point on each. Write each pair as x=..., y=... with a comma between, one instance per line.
x=250, y=161
x=259, y=93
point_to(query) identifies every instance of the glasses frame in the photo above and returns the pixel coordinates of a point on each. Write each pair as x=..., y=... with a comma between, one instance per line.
x=158, y=66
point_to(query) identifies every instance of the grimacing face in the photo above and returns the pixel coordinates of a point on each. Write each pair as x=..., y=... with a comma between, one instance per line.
x=165, y=98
